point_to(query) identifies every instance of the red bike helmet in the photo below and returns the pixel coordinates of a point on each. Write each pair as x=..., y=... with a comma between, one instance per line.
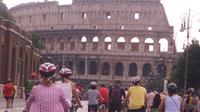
x=65, y=72
x=47, y=69
x=136, y=79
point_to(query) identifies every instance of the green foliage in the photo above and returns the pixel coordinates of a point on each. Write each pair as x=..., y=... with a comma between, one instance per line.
x=193, y=74
x=4, y=12
x=36, y=41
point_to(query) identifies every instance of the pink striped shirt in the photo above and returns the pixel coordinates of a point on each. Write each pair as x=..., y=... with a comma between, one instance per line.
x=47, y=99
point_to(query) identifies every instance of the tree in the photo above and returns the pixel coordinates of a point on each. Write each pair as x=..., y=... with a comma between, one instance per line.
x=36, y=41
x=193, y=74
x=4, y=12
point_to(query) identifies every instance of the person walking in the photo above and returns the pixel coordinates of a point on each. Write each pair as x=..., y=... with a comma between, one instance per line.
x=150, y=102
x=9, y=91
x=192, y=101
x=68, y=86
x=32, y=81
x=172, y=102
x=117, y=95
x=46, y=96
x=136, y=96
x=104, y=93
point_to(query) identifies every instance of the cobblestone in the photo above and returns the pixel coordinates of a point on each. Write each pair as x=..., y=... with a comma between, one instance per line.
x=19, y=105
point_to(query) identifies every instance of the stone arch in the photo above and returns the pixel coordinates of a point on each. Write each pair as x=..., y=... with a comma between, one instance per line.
x=149, y=45
x=95, y=41
x=83, y=43
x=121, y=43
x=92, y=68
x=61, y=42
x=81, y=67
x=135, y=44
x=105, y=68
x=72, y=43
x=146, y=71
x=132, y=69
x=13, y=66
x=71, y=65
x=162, y=70
x=119, y=69
x=163, y=45
x=107, y=45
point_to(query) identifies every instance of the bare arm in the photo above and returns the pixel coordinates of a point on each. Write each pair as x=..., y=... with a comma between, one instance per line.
x=161, y=107
x=75, y=94
x=182, y=105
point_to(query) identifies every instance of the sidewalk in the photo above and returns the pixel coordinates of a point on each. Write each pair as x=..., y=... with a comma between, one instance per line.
x=19, y=103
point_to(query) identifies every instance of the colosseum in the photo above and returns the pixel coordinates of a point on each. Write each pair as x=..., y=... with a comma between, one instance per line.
x=103, y=40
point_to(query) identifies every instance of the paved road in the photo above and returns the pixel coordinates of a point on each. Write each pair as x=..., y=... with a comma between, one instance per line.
x=19, y=105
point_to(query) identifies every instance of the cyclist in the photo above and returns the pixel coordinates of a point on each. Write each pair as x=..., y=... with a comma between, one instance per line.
x=93, y=96
x=30, y=83
x=68, y=86
x=172, y=102
x=136, y=96
x=47, y=97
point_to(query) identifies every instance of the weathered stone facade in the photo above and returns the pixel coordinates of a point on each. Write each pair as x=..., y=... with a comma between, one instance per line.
x=18, y=58
x=103, y=40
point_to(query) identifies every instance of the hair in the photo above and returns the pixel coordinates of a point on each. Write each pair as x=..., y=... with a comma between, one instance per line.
x=172, y=89
x=93, y=87
x=103, y=85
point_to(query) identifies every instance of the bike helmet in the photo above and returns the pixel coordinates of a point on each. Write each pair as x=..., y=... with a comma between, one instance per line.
x=33, y=75
x=93, y=83
x=47, y=69
x=172, y=88
x=136, y=80
x=65, y=72
x=190, y=90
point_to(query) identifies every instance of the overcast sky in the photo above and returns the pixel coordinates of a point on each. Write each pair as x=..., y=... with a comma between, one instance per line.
x=175, y=10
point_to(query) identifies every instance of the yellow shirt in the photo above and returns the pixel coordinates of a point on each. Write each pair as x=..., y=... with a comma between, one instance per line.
x=137, y=96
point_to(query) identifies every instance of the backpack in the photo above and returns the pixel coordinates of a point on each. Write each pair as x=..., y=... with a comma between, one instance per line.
x=156, y=101
x=115, y=96
x=29, y=85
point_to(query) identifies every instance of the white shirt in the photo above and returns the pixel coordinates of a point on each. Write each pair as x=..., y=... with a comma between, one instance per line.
x=67, y=88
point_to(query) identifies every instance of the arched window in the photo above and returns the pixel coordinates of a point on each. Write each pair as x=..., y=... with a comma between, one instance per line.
x=92, y=68
x=146, y=71
x=119, y=69
x=107, y=45
x=132, y=69
x=81, y=67
x=71, y=65
x=95, y=41
x=161, y=70
x=121, y=43
x=149, y=45
x=83, y=43
x=135, y=44
x=163, y=45
x=62, y=44
x=105, y=68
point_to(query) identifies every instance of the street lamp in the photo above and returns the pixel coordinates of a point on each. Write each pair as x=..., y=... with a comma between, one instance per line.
x=187, y=28
x=187, y=25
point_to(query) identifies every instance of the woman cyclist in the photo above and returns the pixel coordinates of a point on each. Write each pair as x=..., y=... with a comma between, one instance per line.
x=68, y=87
x=47, y=97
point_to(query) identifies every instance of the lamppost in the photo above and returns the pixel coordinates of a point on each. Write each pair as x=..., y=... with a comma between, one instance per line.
x=187, y=25
x=187, y=28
